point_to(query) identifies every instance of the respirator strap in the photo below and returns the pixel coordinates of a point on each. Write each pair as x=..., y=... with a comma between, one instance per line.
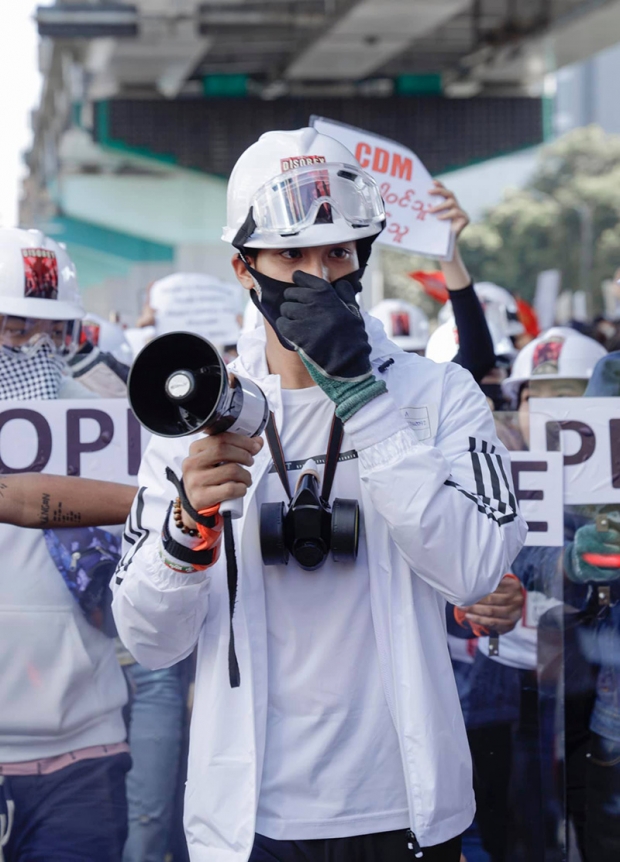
x=275, y=447
x=334, y=446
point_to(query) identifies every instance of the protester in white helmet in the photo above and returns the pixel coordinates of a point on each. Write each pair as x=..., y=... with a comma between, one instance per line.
x=557, y=364
x=405, y=324
x=63, y=755
x=337, y=733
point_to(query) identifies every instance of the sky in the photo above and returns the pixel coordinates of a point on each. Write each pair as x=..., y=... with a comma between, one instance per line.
x=20, y=85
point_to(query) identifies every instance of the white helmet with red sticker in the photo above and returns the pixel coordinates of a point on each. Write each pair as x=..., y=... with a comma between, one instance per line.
x=37, y=277
x=405, y=325
x=559, y=353
x=298, y=189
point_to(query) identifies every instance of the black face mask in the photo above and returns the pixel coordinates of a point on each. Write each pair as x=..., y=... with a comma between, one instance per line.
x=272, y=296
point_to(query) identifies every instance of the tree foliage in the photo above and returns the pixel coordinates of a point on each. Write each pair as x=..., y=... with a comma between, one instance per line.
x=540, y=227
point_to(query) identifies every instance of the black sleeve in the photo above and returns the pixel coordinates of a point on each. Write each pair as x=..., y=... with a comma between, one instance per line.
x=476, y=352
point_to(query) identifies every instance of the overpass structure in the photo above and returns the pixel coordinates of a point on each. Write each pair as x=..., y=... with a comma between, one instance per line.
x=146, y=105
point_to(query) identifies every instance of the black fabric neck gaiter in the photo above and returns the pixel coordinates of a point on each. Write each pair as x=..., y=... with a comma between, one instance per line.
x=272, y=296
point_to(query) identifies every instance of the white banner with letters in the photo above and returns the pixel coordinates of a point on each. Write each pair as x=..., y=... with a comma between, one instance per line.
x=404, y=183
x=587, y=432
x=538, y=483
x=96, y=439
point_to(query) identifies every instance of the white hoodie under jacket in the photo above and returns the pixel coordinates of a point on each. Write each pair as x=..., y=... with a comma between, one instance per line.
x=441, y=524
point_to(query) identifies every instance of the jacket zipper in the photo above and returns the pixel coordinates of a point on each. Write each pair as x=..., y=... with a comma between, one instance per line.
x=414, y=845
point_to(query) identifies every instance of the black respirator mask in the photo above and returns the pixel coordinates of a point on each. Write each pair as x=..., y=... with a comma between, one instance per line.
x=308, y=528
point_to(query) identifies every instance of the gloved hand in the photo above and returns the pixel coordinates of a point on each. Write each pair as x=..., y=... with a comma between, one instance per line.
x=324, y=323
x=588, y=540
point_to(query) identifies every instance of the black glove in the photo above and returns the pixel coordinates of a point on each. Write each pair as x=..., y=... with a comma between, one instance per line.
x=324, y=323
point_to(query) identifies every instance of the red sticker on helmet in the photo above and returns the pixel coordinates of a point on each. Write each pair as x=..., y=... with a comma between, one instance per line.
x=400, y=323
x=547, y=356
x=41, y=273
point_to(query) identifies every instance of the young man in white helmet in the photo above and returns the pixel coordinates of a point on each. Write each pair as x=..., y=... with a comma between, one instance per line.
x=63, y=755
x=344, y=738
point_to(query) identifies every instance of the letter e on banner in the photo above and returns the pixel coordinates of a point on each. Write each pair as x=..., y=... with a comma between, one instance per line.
x=538, y=483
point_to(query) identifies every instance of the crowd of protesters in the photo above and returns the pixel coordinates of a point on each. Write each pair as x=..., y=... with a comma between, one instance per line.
x=330, y=747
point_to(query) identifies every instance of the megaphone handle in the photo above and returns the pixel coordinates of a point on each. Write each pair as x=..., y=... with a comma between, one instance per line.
x=235, y=507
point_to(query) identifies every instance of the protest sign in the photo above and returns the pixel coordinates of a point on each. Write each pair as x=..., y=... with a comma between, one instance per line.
x=404, y=183
x=538, y=483
x=199, y=303
x=547, y=290
x=587, y=433
x=93, y=438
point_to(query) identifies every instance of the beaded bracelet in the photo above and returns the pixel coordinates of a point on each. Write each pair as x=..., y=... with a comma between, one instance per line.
x=178, y=520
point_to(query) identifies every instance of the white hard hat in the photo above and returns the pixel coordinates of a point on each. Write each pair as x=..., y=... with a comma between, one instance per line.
x=500, y=308
x=37, y=277
x=443, y=344
x=405, y=325
x=298, y=189
x=559, y=353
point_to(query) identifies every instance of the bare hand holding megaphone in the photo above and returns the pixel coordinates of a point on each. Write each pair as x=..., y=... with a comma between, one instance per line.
x=179, y=385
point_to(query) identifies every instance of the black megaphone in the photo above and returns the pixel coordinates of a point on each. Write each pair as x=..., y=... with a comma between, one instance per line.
x=179, y=385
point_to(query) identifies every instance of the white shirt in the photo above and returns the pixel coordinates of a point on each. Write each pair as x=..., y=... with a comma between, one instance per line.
x=332, y=764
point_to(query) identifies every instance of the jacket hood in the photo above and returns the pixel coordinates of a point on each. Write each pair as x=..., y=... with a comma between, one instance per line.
x=252, y=361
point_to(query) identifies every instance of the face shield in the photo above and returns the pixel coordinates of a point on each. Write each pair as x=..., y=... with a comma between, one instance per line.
x=28, y=335
x=295, y=200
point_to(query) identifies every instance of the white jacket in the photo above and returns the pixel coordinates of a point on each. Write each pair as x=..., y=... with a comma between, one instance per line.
x=440, y=524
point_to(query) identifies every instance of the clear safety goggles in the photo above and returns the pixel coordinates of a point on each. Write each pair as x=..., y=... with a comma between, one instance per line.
x=27, y=335
x=295, y=200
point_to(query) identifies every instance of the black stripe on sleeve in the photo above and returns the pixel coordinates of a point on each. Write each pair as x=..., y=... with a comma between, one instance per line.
x=140, y=532
x=511, y=500
x=497, y=493
x=475, y=460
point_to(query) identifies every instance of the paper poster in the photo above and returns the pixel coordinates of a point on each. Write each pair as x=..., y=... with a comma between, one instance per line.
x=198, y=303
x=404, y=183
x=587, y=433
x=93, y=438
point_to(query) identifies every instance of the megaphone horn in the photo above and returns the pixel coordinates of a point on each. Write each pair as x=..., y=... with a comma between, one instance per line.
x=179, y=385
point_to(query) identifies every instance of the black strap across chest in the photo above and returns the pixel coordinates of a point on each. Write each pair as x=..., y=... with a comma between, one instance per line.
x=334, y=446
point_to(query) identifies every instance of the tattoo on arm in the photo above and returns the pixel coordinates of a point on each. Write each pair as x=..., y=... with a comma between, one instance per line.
x=59, y=515
x=3, y=487
x=45, y=510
